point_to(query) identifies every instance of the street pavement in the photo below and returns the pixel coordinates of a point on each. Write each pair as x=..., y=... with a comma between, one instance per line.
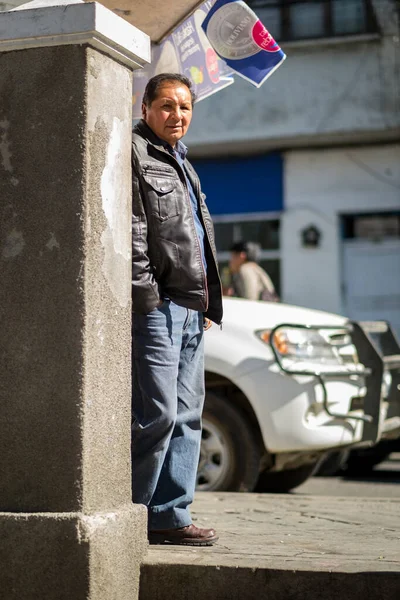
x=381, y=482
x=303, y=545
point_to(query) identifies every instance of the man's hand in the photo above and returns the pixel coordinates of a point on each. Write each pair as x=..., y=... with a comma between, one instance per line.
x=207, y=324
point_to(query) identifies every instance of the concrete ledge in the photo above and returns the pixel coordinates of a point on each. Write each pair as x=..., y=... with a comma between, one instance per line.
x=283, y=548
x=183, y=582
x=83, y=23
x=72, y=556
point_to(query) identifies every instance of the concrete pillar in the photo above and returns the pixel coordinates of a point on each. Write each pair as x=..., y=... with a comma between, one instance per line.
x=68, y=529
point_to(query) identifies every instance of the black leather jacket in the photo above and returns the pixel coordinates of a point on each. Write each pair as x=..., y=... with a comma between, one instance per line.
x=166, y=256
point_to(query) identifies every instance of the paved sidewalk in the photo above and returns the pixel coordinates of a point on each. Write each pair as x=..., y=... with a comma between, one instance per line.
x=283, y=547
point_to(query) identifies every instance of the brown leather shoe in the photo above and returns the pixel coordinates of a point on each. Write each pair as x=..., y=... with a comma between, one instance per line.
x=184, y=536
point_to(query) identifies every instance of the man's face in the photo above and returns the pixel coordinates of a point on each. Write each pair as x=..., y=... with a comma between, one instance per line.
x=170, y=113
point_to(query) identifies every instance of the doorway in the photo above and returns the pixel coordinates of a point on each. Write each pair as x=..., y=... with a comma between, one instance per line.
x=371, y=267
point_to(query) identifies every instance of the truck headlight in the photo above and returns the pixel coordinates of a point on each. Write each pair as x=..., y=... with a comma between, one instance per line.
x=302, y=345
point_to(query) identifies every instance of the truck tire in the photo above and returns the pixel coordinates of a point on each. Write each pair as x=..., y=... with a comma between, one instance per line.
x=362, y=461
x=281, y=482
x=229, y=455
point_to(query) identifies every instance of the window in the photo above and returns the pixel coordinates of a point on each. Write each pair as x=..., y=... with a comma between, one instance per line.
x=371, y=226
x=300, y=19
x=264, y=231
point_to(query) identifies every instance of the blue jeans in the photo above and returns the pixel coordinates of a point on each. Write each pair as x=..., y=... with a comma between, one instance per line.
x=167, y=402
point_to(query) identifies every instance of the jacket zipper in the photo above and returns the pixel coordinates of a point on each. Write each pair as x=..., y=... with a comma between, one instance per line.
x=194, y=226
x=198, y=240
x=209, y=243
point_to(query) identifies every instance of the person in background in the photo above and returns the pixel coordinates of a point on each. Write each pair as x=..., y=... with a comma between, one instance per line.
x=248, y=279
x=176, y=293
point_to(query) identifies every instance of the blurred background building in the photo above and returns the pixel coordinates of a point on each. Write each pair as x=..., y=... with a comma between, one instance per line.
x=309, y=164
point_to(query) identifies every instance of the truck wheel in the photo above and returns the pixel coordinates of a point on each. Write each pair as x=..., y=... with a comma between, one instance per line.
x=362, y=461
x=229, y=455
x=280, y=482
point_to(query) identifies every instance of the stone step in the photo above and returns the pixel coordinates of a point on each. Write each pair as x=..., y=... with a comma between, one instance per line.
x=282, y=547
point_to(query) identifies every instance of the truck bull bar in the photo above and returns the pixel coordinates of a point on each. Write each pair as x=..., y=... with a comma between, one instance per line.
x=389, y=349
x=374, y=358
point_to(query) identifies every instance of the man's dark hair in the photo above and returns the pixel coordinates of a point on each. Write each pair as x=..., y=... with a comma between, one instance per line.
x=251, y=249
x=151, y=91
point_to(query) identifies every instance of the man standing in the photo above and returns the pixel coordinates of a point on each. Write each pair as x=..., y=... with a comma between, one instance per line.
x=176, y=291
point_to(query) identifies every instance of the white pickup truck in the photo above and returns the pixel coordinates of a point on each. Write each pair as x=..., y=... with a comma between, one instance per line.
x=285, y=385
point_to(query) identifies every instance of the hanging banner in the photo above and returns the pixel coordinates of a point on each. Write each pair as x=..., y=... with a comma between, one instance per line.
x=186, y=51
x=241, y=40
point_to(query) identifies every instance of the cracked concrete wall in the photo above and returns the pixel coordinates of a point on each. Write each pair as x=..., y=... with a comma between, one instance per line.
x=108, y=281
x=68, y=525
x=65, y=271
x=41, y=302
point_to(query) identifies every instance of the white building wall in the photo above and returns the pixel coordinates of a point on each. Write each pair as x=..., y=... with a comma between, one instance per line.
x=330, y=91
x=321, y=185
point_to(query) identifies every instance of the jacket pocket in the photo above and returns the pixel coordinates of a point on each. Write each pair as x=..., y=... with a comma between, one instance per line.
x=162, y=194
